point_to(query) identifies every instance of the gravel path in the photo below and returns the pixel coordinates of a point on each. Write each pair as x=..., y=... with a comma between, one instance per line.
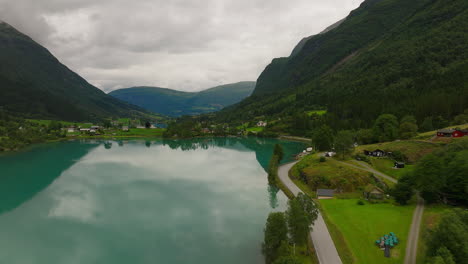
x=323, y=243
x=412, y=245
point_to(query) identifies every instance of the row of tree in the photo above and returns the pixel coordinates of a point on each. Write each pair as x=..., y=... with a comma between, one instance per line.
x=275, y=160
x=285, y=231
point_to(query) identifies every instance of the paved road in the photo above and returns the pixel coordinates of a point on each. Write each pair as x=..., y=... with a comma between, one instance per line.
x=323, y=243
x=412, y=245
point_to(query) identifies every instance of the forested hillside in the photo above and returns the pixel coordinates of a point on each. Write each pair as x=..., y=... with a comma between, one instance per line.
x=389, y=56
x=35, y=84
x=176, y=103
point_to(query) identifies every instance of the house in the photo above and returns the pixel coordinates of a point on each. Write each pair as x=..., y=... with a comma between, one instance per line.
x=261, y=124
x=309, y=149
x=71, y=129
x=373, y=192
x=125, y=128
x=141, y=127
x=399, y=165
x=325, y=193
x=375, y=153
x=456, y=133
x=85, y=129
x=95, y=127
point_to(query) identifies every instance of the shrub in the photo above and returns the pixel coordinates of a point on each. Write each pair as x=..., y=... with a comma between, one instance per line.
x=360, y=202
x=322, y=159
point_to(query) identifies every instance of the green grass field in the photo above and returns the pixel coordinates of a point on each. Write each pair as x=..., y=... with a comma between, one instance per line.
x=317, y=112
x=329, y=174
x=361, y=225
x=386, y=166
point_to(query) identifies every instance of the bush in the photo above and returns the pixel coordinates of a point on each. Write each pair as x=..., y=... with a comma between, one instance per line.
x=322, y=159
x=360, y=202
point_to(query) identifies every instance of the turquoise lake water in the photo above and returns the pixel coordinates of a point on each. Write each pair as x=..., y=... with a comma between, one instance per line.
x=168, y=202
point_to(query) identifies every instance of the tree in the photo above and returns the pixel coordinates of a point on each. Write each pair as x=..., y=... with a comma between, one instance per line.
x=427, y=125
x=322, y=138
x=288, y=260
x=403, y=190
x=408, y=127
x=344, y=142
x=451, y=233
x=273, y=170
x=386, y=127
x=301, y=214
x=276, y=232
x=365, y=136
x=428, y=175
x=278, y=151
x=443, y=256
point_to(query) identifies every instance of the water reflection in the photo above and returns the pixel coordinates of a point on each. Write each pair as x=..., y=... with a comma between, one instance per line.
x=25, y=174
x=184, y=201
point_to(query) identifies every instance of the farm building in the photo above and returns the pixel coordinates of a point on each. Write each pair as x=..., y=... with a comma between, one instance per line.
x=325, y=193
x=373, y=192
x=452, y=133
x=399, y=165
x=375, y=153
x=261, y=124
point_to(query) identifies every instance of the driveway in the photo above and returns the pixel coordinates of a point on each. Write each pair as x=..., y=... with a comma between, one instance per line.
x=323, y=243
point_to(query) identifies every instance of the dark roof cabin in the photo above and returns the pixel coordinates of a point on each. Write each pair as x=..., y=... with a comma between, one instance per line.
x=375, y=153
x=399, y=165
x=325, y=193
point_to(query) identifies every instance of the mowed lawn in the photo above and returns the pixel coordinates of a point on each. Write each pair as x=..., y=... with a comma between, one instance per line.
x=361, y=225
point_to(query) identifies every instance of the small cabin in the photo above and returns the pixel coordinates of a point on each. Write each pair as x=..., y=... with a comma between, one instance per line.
x=125, y=128
x=325, y=193
x=375, y=153
x=399, y=165
x=373, y=192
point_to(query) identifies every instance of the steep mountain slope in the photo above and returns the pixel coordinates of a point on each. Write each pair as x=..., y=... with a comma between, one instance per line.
x=176, y=103
x=373, y=19
x=388, y=56
x=33, y=82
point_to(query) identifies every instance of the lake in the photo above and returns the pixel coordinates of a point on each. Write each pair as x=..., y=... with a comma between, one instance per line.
x=138, y=201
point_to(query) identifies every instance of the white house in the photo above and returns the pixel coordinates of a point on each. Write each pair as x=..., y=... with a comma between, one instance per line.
x=261, y=124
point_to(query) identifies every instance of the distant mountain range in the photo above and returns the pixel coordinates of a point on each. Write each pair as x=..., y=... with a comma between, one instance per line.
x=35, y=84
x=176, y=103
x=387, y=56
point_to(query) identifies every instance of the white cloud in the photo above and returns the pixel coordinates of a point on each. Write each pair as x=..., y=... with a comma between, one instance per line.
x=181, y=44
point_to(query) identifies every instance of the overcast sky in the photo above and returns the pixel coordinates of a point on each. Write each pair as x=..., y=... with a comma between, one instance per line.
x=180, y=44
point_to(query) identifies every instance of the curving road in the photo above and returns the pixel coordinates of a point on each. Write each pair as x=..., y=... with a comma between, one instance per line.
x=323, y=243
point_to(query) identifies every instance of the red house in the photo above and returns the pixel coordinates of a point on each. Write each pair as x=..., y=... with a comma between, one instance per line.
x=456, y=133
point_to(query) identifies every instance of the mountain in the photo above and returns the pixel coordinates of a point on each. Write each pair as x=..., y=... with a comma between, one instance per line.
x=388, y=56
x=35, y=84
x=176, y=103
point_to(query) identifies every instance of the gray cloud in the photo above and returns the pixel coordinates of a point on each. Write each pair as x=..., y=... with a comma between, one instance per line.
x=181, y=44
